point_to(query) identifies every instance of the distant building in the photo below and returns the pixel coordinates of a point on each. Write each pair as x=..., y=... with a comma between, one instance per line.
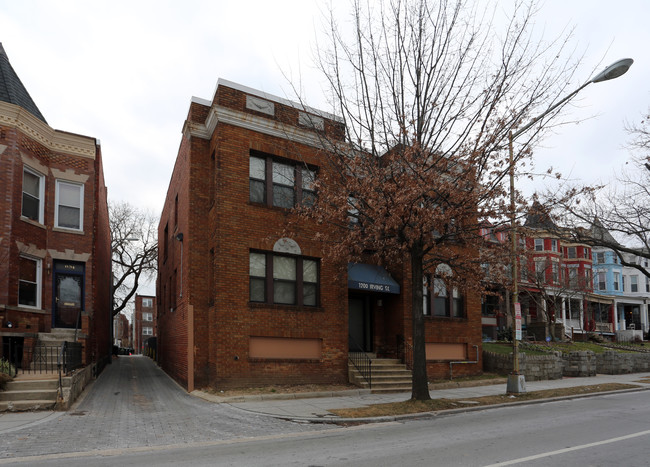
x=55, y=257
x=122, y=331
x=627, y=285
x=144, y=321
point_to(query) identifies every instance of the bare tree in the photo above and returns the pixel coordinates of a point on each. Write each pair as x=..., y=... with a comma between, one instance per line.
x=616, y=215
x=134, y=246
x=428, y=92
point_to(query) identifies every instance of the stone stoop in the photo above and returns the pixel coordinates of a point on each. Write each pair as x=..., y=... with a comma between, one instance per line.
x=388, y=375
x=29, y=394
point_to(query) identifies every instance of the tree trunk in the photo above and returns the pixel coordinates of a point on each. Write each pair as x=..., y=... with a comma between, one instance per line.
x=420, y=386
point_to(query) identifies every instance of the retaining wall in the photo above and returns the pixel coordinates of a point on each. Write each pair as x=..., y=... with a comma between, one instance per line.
x=576, y=364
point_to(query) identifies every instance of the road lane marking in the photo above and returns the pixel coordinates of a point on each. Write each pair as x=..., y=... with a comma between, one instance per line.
x=574, y=448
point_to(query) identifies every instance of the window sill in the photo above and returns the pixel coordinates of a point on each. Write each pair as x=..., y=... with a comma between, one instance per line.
x=27, y=309
x=70, y=231
x=33, y=222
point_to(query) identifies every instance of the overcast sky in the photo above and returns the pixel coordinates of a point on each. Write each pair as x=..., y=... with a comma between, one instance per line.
x=125, y=71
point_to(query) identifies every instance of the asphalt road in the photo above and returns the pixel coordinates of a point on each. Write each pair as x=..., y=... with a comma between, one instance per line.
x=598, y=431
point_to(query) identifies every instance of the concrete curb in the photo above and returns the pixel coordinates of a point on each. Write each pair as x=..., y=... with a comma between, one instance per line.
x=346, y=393
x=393, y=418
x=283, y=396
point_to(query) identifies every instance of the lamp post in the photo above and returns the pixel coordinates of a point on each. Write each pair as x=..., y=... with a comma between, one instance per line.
x=516, y=381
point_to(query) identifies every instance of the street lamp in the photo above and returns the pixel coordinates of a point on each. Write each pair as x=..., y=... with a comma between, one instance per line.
x=516, y=381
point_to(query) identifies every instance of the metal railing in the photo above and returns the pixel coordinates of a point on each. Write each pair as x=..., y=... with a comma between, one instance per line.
x=40, y=358
x=360, y=360
x=405, y=352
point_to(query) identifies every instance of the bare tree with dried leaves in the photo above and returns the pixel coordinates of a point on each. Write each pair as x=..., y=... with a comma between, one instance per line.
x=428, y=92
x=615, y=215
x=134, y=246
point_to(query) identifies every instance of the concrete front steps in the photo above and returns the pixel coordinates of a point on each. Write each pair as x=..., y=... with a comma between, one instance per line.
x=388, y=375
x=35, y=393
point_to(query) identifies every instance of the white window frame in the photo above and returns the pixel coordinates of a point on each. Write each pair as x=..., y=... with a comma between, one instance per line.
x=634, y=283
x=81, y=205
x=147, y=331
x=554, y=245
x=147, y=302
x=147, y=316
x=539, y=242
x=41, y=193
x=617, y=279
x=39, y=282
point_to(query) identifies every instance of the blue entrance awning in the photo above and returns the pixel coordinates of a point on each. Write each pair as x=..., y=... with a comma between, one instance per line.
x=371, y=278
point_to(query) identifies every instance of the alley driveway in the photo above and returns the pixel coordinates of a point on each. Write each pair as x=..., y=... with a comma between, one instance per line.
x=134, y=403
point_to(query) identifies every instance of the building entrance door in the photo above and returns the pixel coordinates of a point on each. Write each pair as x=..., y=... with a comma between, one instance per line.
x=68, y=294
x=359, y=325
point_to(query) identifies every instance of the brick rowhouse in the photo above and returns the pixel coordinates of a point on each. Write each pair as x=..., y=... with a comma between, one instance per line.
x=55, y=257
x=240, y=305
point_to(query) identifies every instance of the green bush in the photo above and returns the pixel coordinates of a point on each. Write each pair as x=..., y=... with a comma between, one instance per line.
x=7, y=368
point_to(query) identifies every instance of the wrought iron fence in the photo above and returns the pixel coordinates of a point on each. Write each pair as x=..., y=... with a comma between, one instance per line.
x=40, y=358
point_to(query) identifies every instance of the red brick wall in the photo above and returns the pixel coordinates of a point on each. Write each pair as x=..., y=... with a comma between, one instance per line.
x=215, y=214
x=94, y=241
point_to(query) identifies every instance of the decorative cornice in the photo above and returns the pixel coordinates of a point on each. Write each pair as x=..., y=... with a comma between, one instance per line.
x=55, y=140
x=250, y=122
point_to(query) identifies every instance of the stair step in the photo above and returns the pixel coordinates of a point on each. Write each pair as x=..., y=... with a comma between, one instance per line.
x=26, y=405
x=31, y=384
x=28, y=395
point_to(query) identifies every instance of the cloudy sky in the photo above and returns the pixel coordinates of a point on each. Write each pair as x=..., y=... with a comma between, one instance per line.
x=125, y=71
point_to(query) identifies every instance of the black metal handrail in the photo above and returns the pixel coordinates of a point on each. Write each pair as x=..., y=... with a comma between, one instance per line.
x=405, y=352
x=360, y=360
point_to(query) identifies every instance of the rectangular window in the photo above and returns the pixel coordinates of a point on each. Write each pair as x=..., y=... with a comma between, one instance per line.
x=29, y=282
x=257, y=174
x=283, y=279
x=617, y=279
x=623, y=284
x=602, y=281
x=440, y=302
x=634, y=283
x=69, y=205
x=554, y=245
x=443, y=304
x=280, y=183
x=147, y=302
x=600, y=258
x=571, y=252
x=147, y=316
x=555, y=271
x=585, y=252
x=647, y=284
x=540, y=271
x=573, y=275
x=33, y=194
x=147, y=331
x=539, y=244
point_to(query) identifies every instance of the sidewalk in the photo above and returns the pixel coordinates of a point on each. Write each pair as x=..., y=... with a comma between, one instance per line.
x=315, y=407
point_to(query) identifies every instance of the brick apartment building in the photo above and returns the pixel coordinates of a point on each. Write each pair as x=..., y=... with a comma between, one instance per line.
x=144, y=321
x=238, y=304
x=122, y=335
x=55, y=257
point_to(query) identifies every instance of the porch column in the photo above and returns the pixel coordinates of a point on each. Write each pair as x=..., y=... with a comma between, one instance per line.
x=564, y=312
x=581, y=307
